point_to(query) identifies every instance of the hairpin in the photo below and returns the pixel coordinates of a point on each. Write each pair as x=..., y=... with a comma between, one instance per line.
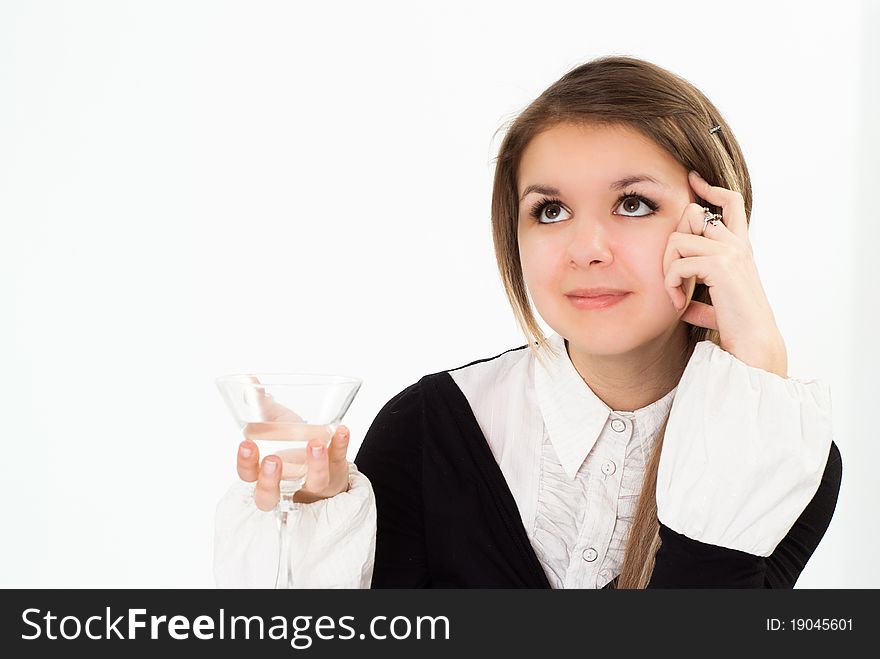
x=715, y=129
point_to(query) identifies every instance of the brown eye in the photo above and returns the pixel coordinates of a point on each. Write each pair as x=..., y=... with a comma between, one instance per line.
x=631, y=204
x=547, y=211
x=552, y=211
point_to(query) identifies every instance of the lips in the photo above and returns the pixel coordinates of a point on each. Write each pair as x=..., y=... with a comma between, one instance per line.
x=596, y=292
x=596, y=301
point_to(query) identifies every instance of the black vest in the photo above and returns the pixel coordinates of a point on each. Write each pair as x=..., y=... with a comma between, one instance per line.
x=446, y=517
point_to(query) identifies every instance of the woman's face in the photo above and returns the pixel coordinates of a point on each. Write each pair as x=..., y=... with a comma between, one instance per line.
x=601, y=227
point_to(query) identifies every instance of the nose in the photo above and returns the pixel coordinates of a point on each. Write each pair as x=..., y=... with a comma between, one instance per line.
x=591, y=240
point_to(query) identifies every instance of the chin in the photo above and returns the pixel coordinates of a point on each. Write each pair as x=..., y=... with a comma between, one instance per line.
x=602, y=341
x=608, y=339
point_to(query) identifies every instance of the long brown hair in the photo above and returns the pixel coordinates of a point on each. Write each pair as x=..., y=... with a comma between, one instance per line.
x=676, y=116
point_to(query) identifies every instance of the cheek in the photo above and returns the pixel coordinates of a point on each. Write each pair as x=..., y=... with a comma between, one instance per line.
x=647, y=264
x=539, y=261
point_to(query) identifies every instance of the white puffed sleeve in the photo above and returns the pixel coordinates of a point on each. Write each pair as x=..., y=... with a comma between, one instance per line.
x=743, y=454
x=333, y=541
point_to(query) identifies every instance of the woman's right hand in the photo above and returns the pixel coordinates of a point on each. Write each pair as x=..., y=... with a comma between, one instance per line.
x=327, y=473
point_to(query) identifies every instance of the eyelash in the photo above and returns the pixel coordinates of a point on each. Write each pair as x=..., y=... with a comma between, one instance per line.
x=540, y=205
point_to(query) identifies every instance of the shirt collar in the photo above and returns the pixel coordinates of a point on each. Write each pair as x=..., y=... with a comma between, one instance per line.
x=575, y=416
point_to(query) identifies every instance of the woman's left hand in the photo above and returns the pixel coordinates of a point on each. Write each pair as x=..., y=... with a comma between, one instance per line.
x=721, y=258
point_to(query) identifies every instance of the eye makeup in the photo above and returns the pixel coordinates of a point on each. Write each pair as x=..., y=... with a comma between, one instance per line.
x=539, y=206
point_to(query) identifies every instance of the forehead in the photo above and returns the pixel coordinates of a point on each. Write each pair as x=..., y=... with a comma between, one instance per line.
x=578, y=155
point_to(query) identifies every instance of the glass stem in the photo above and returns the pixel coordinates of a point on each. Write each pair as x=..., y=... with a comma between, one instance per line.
x=284, y=511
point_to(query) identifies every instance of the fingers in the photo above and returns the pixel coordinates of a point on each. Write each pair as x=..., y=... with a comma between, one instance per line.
x=688, y=241
x=324, y=462
x=680, y=271
x=701, y=315
x=271, y=409
x=693, y=221
x=681, y=245
x=339, y=447
x=731, y=202
x=248, y=461
x=267, y=492
x=318, y=475
x=268, y=476
x=327, y=473
x=688, y=287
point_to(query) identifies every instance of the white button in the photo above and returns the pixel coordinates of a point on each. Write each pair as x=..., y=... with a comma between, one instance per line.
x=618, y=425
x=608, y=468
x=604, y=574
x=590, y=555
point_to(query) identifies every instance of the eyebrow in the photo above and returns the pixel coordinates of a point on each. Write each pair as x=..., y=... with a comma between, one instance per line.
x=617, y=185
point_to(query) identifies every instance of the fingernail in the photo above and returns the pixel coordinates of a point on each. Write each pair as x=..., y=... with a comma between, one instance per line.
x=317, y=451
x=245, y=452
x=343, y=435
x=269, y=466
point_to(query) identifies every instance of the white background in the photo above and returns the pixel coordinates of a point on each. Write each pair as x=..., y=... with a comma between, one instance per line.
x=189, y=189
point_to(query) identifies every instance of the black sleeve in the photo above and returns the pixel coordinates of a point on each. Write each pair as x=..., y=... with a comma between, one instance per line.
x=685, y=563
x=391, y=457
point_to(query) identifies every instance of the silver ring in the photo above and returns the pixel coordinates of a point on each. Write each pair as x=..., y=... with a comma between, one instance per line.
x=710, y=218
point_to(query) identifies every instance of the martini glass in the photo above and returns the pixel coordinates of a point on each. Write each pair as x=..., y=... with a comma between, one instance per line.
x=281, y=413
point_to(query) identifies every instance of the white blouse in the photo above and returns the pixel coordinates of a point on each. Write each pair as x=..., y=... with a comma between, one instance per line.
x=743, y=455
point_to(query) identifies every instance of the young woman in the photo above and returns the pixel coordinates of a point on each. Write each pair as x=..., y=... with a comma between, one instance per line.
x=655, y=439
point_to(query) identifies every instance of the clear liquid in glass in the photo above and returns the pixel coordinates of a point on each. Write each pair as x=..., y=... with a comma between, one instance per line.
x=289, y=441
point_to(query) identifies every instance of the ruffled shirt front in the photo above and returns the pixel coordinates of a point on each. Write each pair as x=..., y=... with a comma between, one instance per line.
x=743, y=455
x=575, y=467
x=585, y=512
